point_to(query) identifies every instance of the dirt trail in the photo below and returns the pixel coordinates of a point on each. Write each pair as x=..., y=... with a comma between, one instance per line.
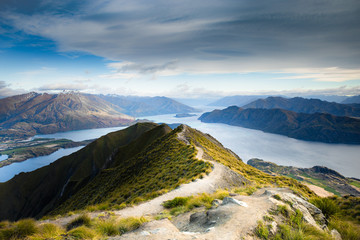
x=207, y=184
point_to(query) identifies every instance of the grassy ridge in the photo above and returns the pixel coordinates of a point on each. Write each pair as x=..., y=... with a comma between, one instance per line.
x=160, y=167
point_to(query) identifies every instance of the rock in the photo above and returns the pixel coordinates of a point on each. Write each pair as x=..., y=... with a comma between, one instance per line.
x=228, y=200
x=273, y=228
x=215, y=203
x=335, y=234
x=198, y=217
x=145, y=233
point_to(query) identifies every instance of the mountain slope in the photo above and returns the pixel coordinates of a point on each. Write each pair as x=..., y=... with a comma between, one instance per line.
x=112, y=167
x=302, y=105
x=147, y=106
x=312, y=127
x=32, y=113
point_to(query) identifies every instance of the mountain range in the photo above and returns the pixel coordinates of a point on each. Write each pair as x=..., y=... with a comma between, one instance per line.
x=147, y=106
x=303, y=105
x=320, y=127
x=241, y=100
x=33, y=113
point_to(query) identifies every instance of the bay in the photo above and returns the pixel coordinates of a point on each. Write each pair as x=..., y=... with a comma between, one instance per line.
x=8, y=172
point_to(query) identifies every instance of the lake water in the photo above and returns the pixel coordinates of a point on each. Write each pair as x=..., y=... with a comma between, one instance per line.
x=3, y=157
x=247, y=143
x=81, y=135
x=7, y=172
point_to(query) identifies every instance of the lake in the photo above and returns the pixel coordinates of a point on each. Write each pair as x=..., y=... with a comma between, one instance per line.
x=8, y=172
x=247, y=143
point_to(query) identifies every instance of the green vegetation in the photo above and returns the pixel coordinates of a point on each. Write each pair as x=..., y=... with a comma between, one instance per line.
x=81, y=228
x=18, y=230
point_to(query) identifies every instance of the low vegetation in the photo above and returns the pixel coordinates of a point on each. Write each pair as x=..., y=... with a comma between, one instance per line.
x=81, y=228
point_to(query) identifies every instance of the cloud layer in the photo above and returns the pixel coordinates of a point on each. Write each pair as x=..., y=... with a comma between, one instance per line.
x=242, y=35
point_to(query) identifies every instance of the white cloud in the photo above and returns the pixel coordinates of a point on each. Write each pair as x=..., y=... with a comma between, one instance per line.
x=332, y=74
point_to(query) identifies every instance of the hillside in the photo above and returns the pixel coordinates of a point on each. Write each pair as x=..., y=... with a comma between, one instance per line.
x=33, y=113
x=107, y=166
x=323, y=177
x=303, y=105
x=147, y=106
x=311, y=127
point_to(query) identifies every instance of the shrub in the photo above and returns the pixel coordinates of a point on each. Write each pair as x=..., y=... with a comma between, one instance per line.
x=326, y=205
x=79, y=221
x=277, y=197
x=178, y=201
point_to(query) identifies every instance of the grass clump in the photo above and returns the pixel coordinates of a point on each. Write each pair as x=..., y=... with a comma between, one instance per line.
x=82, y=232
x=107, y=228
x=326, y=205
x=18, y=230
x=130, y=224
x=48, y=231
x=262, y=230
x=176, y=202
x=277, y=197
x=82, y=220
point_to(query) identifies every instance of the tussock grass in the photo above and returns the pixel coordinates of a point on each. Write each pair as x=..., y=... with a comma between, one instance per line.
x=326, y=205
x=82, y=232
x=18, y=230
x=82, y=220
x=48, y=231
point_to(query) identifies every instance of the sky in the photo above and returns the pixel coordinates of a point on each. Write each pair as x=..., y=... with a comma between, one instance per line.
x=180, y=48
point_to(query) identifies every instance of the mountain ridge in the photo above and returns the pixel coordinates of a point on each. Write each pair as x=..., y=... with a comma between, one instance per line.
x=310, y=127
x=303, y=105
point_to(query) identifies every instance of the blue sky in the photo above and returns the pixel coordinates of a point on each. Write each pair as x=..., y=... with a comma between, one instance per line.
x=180, y=48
